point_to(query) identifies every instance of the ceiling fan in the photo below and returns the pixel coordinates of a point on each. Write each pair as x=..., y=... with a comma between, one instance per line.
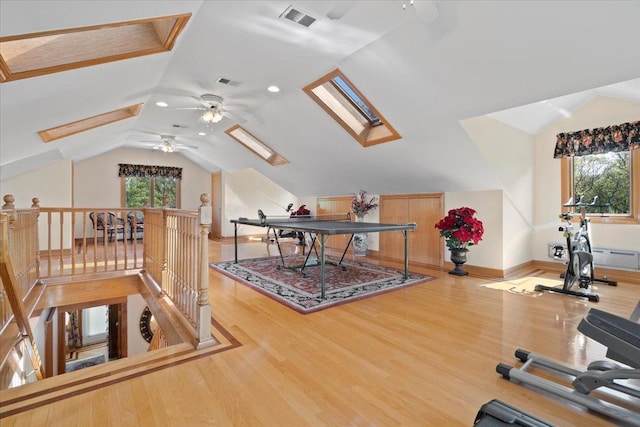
x=213, y=109
x=168, y=144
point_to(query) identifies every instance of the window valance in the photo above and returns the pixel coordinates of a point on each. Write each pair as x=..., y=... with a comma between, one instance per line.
x=622, y=137
x=149, y=171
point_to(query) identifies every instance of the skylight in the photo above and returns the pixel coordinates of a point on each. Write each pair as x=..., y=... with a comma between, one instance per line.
x=29, y=55
x=350, y=93
x=346, y=104
x=253, y=144
x=65, y=130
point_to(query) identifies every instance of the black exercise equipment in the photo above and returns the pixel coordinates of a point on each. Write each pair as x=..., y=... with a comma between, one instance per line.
x=580, y=258
x=617, y=384
x=498, y=414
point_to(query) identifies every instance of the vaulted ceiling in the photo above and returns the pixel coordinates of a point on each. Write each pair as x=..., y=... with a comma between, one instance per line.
x=425, y=67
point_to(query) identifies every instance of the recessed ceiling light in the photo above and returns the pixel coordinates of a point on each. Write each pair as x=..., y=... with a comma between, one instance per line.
x=162, y=104
x=201, y=133
x=273, y=89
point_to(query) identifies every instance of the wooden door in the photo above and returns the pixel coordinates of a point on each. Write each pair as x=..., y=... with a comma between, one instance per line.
x=393, y=210
x=424, y=243
x=332, y=206
x=216, y=205
x=425, y=246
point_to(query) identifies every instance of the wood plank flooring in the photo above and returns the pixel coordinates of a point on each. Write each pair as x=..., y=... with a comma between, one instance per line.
x=420, y=356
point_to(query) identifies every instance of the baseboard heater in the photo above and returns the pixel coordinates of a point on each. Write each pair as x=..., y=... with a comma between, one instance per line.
x=602, y=257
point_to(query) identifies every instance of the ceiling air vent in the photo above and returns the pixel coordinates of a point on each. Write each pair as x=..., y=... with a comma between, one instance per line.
x=296, y=15
x=226, y=81
x=179, y=126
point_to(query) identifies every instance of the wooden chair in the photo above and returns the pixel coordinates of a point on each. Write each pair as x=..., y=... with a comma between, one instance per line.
x=136, y=223
x=111, y=227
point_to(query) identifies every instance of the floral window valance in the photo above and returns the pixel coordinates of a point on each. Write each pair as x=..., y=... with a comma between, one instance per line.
x=149, y=171
x=622, y=137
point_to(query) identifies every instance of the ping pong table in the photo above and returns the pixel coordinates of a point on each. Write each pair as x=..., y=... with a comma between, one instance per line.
x=320, y=228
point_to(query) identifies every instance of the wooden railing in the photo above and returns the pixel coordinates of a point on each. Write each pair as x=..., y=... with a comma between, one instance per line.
x=170, y=246
x=76, y=241
x=18, y=276
x=20, y=247
x=177, y=258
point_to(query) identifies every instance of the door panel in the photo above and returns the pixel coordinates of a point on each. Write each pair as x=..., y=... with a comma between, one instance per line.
x=424, y=243
x=393, y=211
x=332, y=206
x=216, y=205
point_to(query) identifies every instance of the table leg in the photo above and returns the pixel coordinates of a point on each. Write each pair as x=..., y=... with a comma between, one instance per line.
x=346, y=249
x=235, y=241
x=275, y=235
x=406, y=255
x=323, y=240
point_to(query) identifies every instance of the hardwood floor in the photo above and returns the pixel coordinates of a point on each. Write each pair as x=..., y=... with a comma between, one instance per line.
x=420, y=356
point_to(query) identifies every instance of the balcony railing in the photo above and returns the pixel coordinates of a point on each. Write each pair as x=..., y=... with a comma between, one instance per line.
x=57, y=245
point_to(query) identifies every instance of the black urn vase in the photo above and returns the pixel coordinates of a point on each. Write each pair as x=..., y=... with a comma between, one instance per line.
x=458, y=257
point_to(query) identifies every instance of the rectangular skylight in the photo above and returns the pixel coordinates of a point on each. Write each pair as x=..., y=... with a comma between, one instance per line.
x=72, y=128
x=349, y=108
x=255, y=145
x=29, y=55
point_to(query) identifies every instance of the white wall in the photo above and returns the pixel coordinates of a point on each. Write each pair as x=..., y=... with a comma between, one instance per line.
x=245, y=192
x=596, y=113
x=135, y=343
x=51, y=184
x=97, y=183
x=488, y=205
x=510, y=152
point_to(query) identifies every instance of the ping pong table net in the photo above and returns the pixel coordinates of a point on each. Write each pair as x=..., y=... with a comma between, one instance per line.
x=306, y=217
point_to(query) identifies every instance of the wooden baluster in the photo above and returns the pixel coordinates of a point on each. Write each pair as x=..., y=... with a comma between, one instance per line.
x=35, y=204
x=203, y=321
x=12, y=291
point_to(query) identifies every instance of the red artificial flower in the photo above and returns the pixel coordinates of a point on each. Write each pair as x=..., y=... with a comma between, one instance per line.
x=460, y=228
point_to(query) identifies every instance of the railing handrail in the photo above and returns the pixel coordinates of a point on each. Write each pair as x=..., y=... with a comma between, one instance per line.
x=71, y=246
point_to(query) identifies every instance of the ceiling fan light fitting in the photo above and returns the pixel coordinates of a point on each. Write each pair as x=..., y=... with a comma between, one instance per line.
x=212, y=116
x=167, y=147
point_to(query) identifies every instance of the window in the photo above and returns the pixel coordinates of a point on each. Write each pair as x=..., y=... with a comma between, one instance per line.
x=35, y=54
x=613, y=177
x=149, y=186
x=151, y=191
x=256, y=146
x=89, y=123
x=344, y=102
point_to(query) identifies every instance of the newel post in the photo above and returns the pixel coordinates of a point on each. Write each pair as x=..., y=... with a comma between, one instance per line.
x=203, y=325
x=10, y=206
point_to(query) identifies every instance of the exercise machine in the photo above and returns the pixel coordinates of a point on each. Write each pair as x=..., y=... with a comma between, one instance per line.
x=499, y=414
x=579, y=256
x=617, y=386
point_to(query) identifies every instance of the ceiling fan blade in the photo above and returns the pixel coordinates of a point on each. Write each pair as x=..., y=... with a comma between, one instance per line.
x=339, y=10
x=235, y=107
x=235, y=117
x=194, y=147
x=175, y=92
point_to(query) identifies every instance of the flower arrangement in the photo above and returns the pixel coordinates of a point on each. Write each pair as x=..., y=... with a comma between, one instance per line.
x=460, y=228
x=360, y=205
x=302, y=211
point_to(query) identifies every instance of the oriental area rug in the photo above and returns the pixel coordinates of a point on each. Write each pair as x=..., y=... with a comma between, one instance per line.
x=290, y=287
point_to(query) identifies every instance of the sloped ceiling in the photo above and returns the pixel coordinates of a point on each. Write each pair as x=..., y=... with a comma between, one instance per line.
x=425, y=69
